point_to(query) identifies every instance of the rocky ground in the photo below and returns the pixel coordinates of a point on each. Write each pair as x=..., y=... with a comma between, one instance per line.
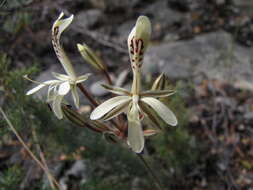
x=206, y=44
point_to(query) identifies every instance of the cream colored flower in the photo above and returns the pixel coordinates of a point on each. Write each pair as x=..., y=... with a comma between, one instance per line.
x=63, y=84
x=136, y=103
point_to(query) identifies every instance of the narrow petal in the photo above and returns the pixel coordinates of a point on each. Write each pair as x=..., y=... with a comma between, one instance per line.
x=58, y=27
x=116, y=90
x=130, y=42
x=143, y=30
x=51, y=93
x=157, y=93
x=150, y=114
x=150, y=132
x=83, y=78
x=163, y=111
x=61, y=77
x=75, y=95
x=57, y=107
x=64, y=88
x=107, y=106
x=116, y=111
x=35, y=89
x=135, y=135
x=41, y=85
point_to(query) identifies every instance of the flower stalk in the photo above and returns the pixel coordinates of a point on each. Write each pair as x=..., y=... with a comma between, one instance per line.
x=150, y=171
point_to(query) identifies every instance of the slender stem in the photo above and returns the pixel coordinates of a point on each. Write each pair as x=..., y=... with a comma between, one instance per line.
x=27, y=148
x=151, y=172
x=88, y=95
x=107, y=76
x=43, y=159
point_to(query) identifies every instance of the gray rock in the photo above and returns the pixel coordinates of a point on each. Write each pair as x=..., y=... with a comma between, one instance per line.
x=162, y=17
x=161, y=12
x=245, y=6
x=214, y=55
x=87, y=19
x=79, y=171
x=113, y=5
x=97, y=90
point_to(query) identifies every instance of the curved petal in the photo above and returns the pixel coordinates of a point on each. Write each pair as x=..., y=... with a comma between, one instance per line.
x=41, y=85
x=56, y=107
x=51, y=93
x=116, y=111
x=157, y=93
x=75, y=95
x=116, y=90
x=163, y=111
x=64, y=88
x=61, y=77
x=82, y=78
x=135, y=135
x=35, y=89
x=107, y=106
x=58, y=27
x=143, y=30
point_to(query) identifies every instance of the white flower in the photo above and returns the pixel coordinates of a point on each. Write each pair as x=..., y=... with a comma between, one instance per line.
x=136, y=103
x=136, y=106
x=61, y=86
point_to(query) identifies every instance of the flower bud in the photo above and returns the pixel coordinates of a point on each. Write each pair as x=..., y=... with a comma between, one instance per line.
x=90, y=57
x=159, y=83
x=74, y=116
x=138, y=40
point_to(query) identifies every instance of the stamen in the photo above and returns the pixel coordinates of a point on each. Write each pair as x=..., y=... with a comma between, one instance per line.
x=27, y=78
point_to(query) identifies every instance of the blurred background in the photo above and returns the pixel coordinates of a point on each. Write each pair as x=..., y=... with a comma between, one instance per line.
x=204, y=47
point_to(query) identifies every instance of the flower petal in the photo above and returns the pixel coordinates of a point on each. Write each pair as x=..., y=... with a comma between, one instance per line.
x=83, y=78
x=143, y=30
x=75, y=95
x=150, y=114
x=116, y=90
x=58, y=27
x=51, y=93
x=135, y=135
x=163, y=111
x=61, y=77
x=138, y=40
x=64, y=88
x=41, y=85
x=116, y=111
x=35, y=89
x=107, y=106
x=157, y=93
x=56, y=107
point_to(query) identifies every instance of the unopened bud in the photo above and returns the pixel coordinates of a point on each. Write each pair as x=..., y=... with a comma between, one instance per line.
x=90, y=57
x=159, y=83
x=73, y=116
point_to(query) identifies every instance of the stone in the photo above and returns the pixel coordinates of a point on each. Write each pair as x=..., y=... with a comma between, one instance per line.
x=87, y=19
x=214, y=55
x=161, y=20
x=113, y=5
x=245, y=6
x=97, y=90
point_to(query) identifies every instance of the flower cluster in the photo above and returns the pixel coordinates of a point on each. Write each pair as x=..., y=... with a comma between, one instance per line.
x=63, y=83
x=136, y=103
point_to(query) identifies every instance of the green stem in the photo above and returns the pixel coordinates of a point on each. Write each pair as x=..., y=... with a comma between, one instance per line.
x=151, y=172
x=41, y=165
